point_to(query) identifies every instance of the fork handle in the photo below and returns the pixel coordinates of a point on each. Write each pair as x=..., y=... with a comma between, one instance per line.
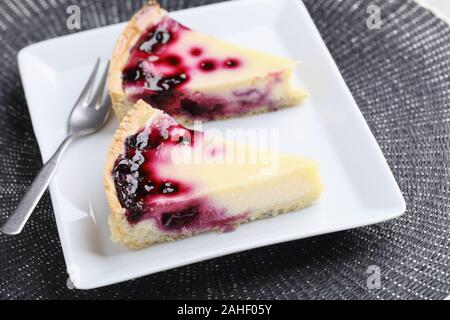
x=19, y=218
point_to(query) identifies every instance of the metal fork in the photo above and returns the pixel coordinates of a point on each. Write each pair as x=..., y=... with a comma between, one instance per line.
x=89, y=114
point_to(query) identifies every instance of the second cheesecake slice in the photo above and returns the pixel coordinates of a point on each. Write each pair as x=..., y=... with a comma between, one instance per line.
x=165, y=182
x=193, y=76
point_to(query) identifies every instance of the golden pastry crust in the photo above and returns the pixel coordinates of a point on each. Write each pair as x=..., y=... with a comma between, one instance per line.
x=151, y=13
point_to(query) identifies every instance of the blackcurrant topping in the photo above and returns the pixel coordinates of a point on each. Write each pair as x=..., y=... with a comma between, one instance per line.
x=208, y=65
x=155, y=39
x=160, y=100
x=192, y=107
x=135, y=183
x=179, y=219
x=134, y=215
x=149, y=187
x=132, y=75
x=168, y=188
x=145, y=195
x=158, y=83
x=231, y=63
x=173, y=60
x=196, y=52
x=158, y=71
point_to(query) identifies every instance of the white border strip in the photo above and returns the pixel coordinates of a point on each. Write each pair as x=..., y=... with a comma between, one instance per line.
x=434, y=11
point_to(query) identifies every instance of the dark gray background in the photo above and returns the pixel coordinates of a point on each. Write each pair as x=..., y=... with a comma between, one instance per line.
x=399, y=76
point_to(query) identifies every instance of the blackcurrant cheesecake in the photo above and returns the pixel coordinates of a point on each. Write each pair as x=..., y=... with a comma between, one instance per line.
x=166, y=182
x=193, y=76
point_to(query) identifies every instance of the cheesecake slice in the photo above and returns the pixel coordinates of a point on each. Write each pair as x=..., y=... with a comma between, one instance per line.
x=166, y=182
x=193, y=76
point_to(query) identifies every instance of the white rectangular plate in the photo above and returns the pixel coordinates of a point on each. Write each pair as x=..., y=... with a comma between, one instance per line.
x=360, y=189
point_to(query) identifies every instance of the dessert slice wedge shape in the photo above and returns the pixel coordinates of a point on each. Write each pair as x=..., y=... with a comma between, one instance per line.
x=166, y=182
x=193, y=76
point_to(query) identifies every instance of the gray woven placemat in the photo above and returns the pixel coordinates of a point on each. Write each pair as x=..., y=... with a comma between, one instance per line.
x=399, y=75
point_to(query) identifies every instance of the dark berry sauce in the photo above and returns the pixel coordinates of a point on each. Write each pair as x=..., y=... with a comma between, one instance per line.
x=158, y=71
x=208, y=65
x=179, y=219
x=132, y=75
x=196, y=52
x=231, y=63
x=153, y=49
x=173, y=60
x=135, y=182
x=146, y=195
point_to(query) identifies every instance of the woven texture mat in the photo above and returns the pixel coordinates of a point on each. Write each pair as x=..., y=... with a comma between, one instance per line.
x=400, y=78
